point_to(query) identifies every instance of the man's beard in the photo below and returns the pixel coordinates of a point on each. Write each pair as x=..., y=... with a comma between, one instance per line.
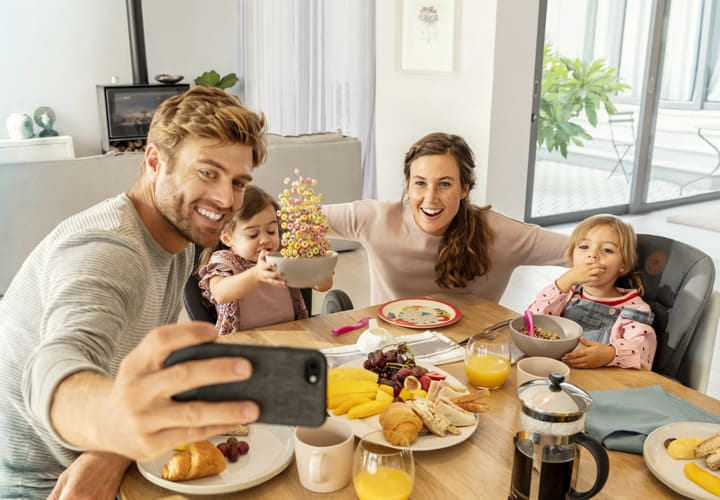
x=183, y=225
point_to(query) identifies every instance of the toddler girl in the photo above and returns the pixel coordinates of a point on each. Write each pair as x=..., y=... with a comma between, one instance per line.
x=246, y=289
x=616, y=321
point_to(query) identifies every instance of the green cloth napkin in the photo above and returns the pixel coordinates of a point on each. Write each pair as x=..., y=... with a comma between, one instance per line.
x=622, y=419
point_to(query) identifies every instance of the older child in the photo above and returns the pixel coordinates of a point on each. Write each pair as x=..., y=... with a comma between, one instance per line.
x=246, y=289
x=616, y=321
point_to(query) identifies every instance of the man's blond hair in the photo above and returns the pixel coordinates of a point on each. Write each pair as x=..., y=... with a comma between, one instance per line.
x=210, y=113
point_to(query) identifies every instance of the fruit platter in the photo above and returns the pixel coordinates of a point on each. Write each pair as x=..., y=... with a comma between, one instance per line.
x=426, y=406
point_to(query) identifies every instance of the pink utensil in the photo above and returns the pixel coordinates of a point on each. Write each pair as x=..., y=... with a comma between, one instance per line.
x=348, y=328
x=529, y=323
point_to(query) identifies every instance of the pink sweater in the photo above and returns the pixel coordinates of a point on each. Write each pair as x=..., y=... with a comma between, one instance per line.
x=634, y=342
x=402, y=256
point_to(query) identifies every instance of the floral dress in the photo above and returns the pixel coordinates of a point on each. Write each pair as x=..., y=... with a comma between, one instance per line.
x=267, y=305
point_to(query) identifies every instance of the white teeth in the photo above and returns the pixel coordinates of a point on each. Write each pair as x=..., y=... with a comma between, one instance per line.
x=210, y=215
x=431, y=211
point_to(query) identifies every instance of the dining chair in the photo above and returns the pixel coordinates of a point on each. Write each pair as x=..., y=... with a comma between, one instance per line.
x=678, y=281
x=622, y=135
x=697, y=364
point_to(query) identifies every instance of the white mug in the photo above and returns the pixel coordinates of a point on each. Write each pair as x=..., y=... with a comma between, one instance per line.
x=324, y=455
x=537, y=367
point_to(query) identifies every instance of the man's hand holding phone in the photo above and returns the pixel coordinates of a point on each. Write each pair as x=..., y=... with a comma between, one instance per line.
x=134, y=413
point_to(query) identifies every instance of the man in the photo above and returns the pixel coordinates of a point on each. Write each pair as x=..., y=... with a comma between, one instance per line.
x=79, y=370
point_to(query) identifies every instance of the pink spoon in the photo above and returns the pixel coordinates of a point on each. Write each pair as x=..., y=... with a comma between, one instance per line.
x=529, y=323
x=349, y=328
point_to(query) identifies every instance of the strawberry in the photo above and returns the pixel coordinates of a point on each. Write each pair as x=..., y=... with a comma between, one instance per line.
x=425, y=382
x=435, y=376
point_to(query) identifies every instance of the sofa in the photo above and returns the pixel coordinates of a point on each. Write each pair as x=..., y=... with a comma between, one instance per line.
x=36, y=196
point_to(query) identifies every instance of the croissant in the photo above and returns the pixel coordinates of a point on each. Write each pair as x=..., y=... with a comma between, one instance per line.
x=399, y=423
x=201, y=459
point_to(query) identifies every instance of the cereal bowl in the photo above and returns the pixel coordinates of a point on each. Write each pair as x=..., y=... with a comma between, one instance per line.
x=304, y=272
x=568, y=330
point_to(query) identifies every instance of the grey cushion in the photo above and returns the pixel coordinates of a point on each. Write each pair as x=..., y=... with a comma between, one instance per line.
x=678, y=280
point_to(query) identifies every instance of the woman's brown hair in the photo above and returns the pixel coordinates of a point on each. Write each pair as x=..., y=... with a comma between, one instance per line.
x=255, y=201
x=463, y=254
x=628, y=243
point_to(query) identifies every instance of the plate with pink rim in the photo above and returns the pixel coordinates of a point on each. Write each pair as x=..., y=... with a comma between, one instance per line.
x=271, y=451
x=421, y=313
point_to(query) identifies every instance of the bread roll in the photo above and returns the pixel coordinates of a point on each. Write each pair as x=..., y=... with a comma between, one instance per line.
x=201, y=459
x=399, y=423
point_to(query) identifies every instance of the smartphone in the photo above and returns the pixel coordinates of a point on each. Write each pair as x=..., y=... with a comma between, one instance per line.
x=288, y=384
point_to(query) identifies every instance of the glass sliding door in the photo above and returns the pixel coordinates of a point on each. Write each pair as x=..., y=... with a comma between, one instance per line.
x=604, y=138
x=686, y=148
x=586, y=118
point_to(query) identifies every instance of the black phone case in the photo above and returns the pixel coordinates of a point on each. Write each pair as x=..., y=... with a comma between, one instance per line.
x=280, y=383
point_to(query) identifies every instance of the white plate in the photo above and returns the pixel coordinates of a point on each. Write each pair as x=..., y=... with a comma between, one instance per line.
x=419, y=313
x=271, y=450
x=424, y=442
x=669, y=470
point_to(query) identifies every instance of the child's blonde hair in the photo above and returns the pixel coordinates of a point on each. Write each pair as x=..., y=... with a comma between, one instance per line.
x=628, y=243
x=255, y=201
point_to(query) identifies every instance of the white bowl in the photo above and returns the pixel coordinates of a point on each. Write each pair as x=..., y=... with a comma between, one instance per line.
x=569, y=332
x=304, y=272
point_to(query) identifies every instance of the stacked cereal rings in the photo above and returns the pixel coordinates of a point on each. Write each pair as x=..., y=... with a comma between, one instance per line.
x=302, y=223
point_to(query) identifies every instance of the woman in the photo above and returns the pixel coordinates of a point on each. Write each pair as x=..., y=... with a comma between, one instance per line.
x=434, y=239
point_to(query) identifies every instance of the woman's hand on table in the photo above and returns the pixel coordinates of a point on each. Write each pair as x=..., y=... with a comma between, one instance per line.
x=94, y=475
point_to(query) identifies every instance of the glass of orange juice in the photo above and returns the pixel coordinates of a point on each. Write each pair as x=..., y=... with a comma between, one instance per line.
x=487, y=359
x=381, y=472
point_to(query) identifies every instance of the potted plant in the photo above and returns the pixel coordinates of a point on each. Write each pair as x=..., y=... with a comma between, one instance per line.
x=212, y=79
x=569, y=88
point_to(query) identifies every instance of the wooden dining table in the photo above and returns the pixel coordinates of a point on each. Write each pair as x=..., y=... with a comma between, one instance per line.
x=479, y=467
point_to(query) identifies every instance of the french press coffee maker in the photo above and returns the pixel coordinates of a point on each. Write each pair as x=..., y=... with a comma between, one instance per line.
x=550, y=430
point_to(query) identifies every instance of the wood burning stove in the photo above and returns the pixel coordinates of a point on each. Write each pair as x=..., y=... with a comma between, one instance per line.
x=126, y=112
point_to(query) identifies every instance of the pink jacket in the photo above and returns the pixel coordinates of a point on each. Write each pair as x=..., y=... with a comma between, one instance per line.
x=634, y=342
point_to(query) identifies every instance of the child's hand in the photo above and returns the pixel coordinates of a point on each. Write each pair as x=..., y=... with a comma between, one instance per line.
x=265, y=272
x=579, y=275
x=590, y=355
x=324, y=285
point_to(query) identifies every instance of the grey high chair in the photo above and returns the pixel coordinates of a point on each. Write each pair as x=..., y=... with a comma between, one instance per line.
x=678, y=281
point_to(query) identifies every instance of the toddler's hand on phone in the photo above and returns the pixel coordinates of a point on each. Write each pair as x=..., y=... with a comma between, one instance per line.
x=266, y=272
x=579, y=275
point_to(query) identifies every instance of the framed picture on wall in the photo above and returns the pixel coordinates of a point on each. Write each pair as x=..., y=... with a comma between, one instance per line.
x=427, y=35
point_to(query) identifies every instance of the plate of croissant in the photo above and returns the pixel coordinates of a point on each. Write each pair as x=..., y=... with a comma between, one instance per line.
x=446, y=416
x=202, y=469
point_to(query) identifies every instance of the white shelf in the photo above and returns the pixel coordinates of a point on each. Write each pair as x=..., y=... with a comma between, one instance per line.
x=36, y=149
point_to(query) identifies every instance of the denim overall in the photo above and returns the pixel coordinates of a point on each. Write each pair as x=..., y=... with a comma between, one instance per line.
x=597, y=319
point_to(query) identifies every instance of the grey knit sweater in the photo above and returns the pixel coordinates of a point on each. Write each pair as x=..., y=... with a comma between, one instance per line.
x=85, y=297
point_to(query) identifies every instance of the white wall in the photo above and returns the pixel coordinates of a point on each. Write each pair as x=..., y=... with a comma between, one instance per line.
x=486, y=99
x=509, y=128
x=56, y=51
x=410, y=105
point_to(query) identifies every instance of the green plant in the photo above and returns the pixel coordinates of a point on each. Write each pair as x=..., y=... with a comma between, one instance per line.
x=570, y=87
x=212, y=79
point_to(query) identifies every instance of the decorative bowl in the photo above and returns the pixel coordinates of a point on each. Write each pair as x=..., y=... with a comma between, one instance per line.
x=304, y=272
x=165, y=78
x=568, y=330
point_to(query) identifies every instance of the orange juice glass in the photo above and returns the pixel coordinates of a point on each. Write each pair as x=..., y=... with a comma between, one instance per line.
x=382, y=472
x=487, y=359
